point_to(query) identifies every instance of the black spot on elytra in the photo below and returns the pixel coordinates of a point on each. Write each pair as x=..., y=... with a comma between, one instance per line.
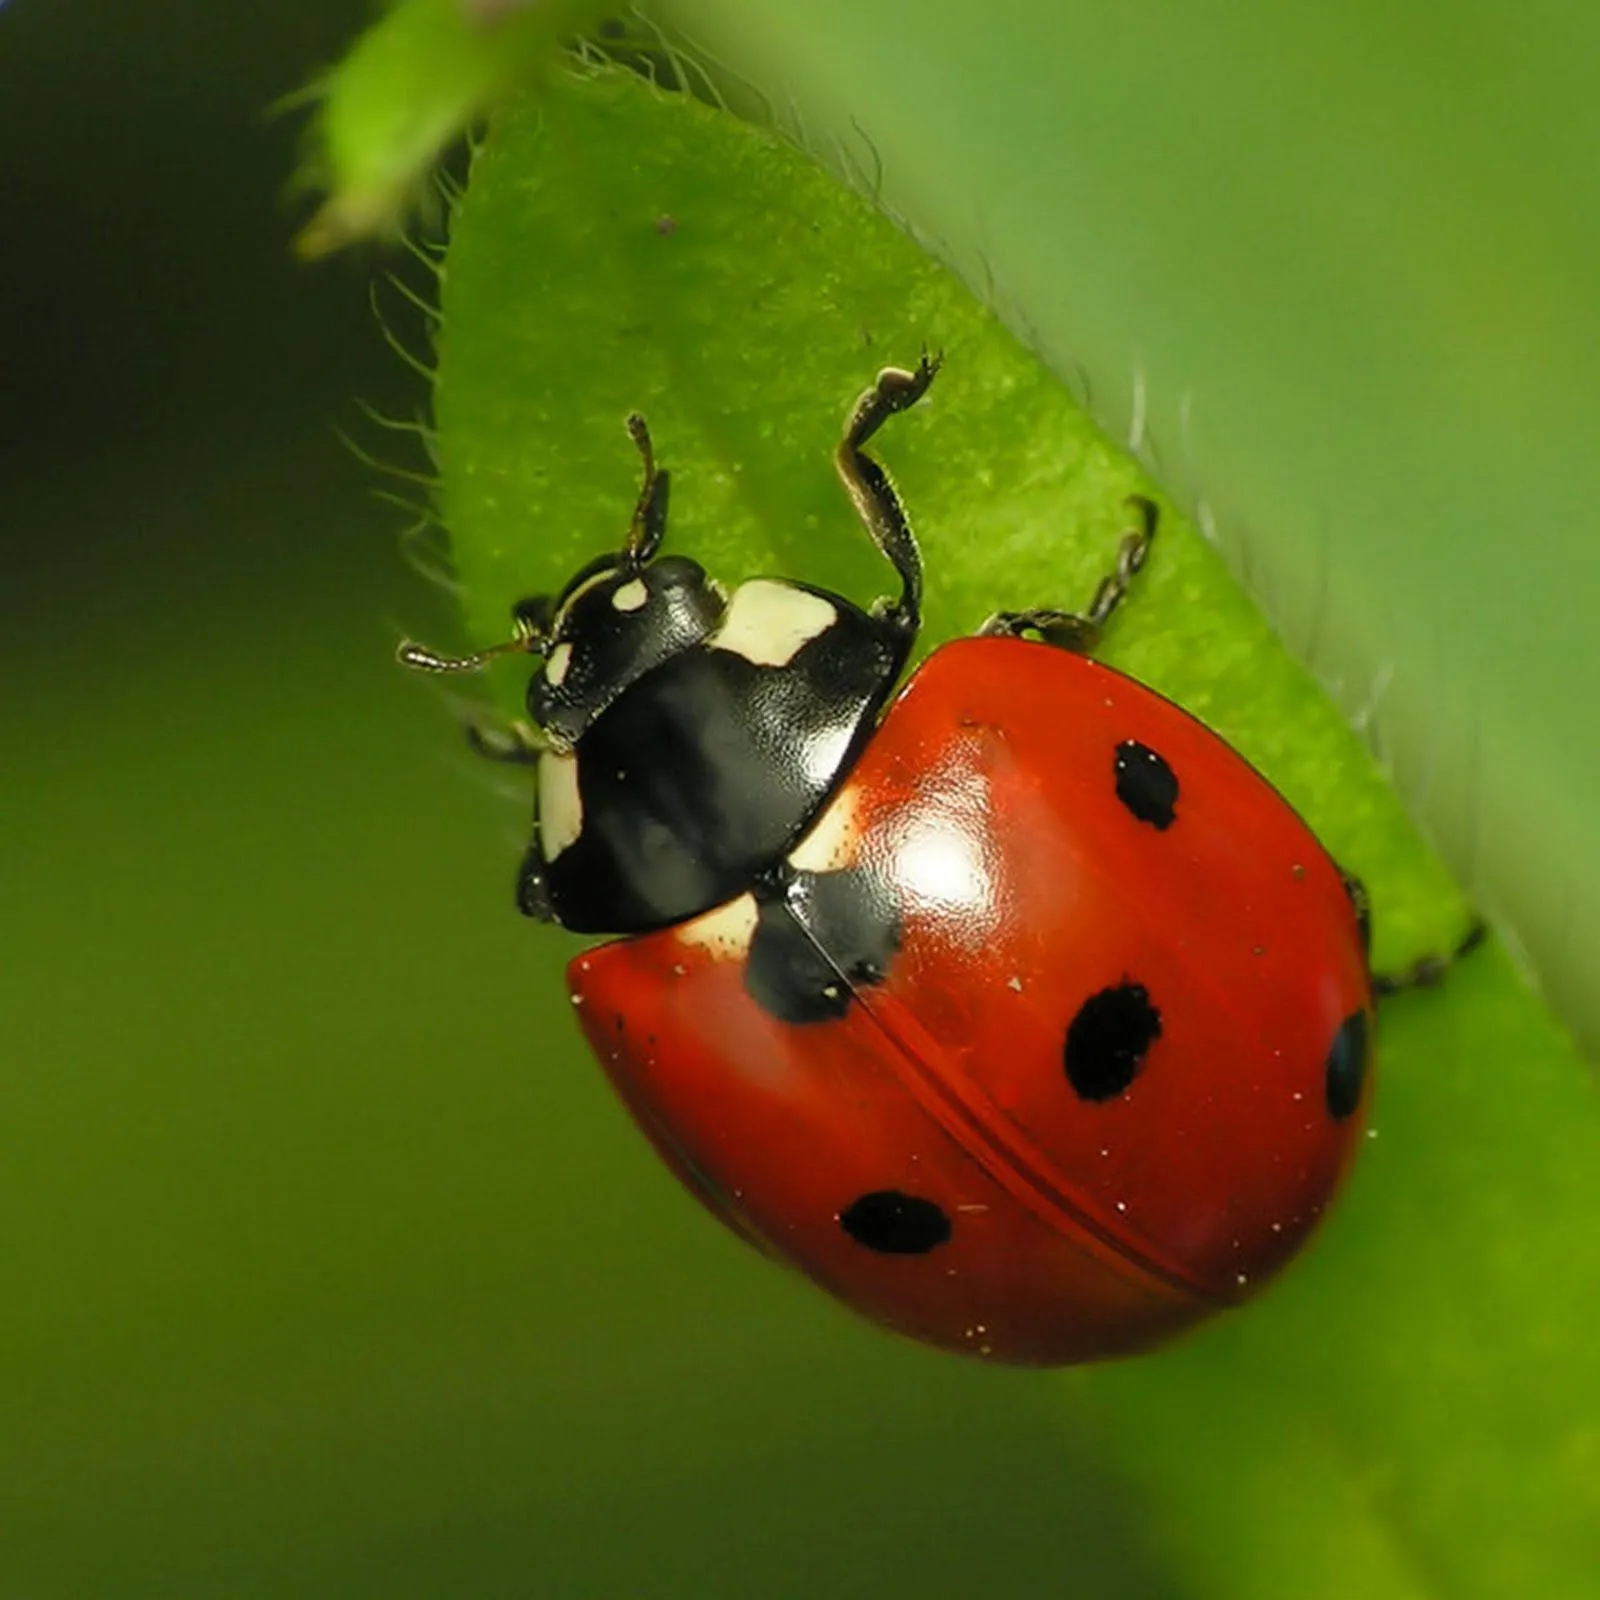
x=895, y=1224
x=1107, y=1040
x=1146, y=785
x=1346, y=1069
x=819, y=936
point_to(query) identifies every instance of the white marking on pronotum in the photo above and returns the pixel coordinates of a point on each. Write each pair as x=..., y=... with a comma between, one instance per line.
x=831, y=843
x=560, y=804
x=767, y=622
x=724, y=933
x=556, y=664
x=630, y=596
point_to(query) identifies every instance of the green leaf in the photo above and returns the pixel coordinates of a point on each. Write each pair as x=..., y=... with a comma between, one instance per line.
x=1416, y=1408
x=411, y=85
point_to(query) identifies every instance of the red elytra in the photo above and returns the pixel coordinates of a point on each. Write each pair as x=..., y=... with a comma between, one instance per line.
x=927, y=1156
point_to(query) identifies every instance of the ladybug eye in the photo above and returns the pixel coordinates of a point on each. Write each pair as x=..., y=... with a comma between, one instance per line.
x=1146, y=785
x=1107, y=1040
x=895, y=1224
x=1346, y=1069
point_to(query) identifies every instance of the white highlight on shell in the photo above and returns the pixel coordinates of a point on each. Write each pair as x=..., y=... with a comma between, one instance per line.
x=822, y=755
x=832, y=840
x=942, y=864
x=560, y=804
x=630, y=596
x=767, y=622
x=938, y=856
x=556, y=664
x=724, y=933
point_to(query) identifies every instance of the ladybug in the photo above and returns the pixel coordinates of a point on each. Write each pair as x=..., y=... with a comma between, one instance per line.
x=1015, y=1009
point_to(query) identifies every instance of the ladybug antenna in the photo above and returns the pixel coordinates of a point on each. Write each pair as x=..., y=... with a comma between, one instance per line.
x=649, y=522
x=528, y=618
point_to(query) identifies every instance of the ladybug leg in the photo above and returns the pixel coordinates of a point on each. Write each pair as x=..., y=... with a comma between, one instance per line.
x=1064, y=629
x=517, y=744
x=1428, y=972
x=520, y=744
x=533, y=892
x=1361, y=904
x=868, y=485
x=1081, y=632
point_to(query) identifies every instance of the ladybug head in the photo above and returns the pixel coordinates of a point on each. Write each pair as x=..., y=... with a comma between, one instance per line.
x=618, y=617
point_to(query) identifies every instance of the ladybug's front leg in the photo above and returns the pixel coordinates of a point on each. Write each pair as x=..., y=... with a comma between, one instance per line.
x=868, y=485
x=557, y=822
x=533, y=892
x=1070, y=630
x=520, y=744
x=515, y=744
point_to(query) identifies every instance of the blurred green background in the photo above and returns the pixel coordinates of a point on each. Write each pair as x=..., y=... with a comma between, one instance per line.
x=326, y=1267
